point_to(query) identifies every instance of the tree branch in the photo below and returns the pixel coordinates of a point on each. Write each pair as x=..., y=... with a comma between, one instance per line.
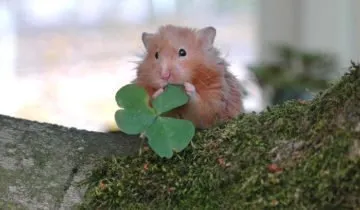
x=38, y=161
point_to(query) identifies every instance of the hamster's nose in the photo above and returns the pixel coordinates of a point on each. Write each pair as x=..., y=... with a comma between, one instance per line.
x=165, y=75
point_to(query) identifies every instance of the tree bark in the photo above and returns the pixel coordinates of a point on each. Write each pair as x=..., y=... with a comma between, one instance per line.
x=39, y=161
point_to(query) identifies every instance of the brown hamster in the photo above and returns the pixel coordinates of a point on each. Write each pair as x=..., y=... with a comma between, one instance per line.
x=182, y=55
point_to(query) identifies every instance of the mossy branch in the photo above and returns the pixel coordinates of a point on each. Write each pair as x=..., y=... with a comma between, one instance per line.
x=297, y=155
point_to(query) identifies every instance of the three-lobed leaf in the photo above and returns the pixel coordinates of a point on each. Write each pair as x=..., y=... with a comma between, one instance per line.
x=164, y=134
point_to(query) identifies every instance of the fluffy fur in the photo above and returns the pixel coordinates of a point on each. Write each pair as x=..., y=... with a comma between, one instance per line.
x=215, y=93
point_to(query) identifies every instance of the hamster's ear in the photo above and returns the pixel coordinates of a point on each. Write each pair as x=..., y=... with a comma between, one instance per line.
x=207, y=35
x=146, y=37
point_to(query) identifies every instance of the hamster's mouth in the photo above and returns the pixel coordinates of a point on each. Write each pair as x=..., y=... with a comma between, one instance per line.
x=175, y=83
x=164, y=83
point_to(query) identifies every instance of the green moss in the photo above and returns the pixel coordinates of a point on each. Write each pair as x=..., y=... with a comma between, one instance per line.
x=228, y=168
x=10, y=205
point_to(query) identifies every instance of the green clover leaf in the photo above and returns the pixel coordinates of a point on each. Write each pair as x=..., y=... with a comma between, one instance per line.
x=164, y=134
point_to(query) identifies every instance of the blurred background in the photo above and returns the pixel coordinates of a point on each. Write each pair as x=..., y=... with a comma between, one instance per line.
x=63, y=61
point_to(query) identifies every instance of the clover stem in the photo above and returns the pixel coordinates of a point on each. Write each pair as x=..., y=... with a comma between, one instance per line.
x=142, y=137
x=192, y=144
x=179, y=156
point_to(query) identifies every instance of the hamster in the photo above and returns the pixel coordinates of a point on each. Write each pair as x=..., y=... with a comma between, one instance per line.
x=187, y=56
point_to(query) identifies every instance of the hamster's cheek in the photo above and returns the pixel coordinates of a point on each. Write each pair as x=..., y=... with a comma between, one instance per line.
x=179, y=67
x=183, y=72
x=182, y=68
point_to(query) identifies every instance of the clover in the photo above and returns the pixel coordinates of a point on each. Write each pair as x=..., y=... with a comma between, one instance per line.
x=136, y=117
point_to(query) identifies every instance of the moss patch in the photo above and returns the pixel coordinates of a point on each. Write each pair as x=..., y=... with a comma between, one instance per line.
x=312, y=142
x=10, y=205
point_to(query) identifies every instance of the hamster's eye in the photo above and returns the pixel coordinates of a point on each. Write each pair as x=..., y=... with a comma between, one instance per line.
x=157, y=55
x=182, y=52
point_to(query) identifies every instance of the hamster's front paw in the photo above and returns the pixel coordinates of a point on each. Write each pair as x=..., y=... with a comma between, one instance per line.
x=190, y=89
x=157, y=93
